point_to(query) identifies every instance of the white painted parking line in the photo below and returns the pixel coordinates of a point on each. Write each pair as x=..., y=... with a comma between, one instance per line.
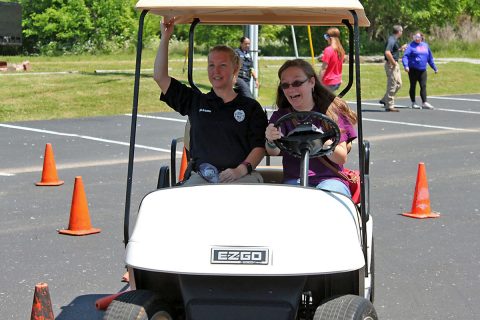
x=378, y=104
x=440, y=109
x=6, y=174
x=459, y=111
x=421, y=125
x=158, y=118
x=453, y=98
x=366, y=119
x=84, y=137
x=410, y=134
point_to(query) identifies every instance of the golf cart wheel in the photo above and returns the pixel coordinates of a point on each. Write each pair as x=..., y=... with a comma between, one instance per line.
x=348, y=307
x=137, y=305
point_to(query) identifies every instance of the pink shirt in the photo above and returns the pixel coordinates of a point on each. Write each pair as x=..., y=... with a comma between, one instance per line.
x=333, y=73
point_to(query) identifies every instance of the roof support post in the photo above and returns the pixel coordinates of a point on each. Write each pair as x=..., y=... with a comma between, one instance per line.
x=191, y=36
x=133, y=128
x=351, y=59
x=360, y=137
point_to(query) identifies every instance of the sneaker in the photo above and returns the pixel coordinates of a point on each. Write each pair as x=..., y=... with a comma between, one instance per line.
x=415, y=106
x=427, y=105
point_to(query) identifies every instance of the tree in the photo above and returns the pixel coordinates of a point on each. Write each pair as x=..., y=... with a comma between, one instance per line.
x=60, y=26
x=74, y=26
x=113, y=21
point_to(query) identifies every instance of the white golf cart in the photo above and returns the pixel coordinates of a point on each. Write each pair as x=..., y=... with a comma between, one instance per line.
x=263, y=251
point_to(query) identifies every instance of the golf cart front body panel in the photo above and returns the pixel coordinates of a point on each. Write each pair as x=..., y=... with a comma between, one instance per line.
x=302, y=12
x=251, y=227
x=210, y=298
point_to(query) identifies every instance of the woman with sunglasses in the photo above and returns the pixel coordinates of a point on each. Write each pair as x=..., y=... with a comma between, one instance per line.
x=415, y=59
x=227, y=129
x=300, y=90
x=332, y=60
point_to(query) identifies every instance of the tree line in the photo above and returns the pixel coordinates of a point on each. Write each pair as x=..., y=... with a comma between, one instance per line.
x=54, y=27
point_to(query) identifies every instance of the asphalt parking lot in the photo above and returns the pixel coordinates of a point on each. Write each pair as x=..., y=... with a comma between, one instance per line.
x=425, y=269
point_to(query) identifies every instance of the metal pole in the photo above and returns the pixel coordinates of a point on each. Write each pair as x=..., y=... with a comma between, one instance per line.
x=133, y=130
x=191, y=36
x=351, y=59
x=304, y=164
x=360, y=137
x=311, y=45
x=254, y=52
x=294, y=41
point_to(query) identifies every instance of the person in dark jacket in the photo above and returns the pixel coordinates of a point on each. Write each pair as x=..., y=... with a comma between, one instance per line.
x=415, y=60
x=246, y=71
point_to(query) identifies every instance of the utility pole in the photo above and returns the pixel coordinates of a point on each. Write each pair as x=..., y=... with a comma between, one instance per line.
x=251, y=32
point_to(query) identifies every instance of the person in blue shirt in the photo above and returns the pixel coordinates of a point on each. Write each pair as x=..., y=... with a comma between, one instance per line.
x=415, y=60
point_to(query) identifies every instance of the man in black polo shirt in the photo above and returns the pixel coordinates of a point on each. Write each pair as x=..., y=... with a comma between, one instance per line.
x=392, y=70
x=227, y=129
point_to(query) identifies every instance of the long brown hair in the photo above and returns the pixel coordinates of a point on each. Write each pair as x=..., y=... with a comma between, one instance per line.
x=336, y=44
x=324, y=99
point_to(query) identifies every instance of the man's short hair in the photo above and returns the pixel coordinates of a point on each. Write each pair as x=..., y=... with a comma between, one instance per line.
x=397, y=29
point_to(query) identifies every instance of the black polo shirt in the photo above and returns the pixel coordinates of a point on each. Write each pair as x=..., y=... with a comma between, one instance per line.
x=393, y=46
x=222, y=134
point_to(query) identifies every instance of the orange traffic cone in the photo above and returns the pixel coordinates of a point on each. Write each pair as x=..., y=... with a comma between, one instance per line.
x=421, y=198
x=42, y=306
x=49, y=173
x=183, y=165
x=79, y=224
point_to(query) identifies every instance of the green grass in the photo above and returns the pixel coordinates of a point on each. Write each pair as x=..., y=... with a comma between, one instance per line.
x=86, y=93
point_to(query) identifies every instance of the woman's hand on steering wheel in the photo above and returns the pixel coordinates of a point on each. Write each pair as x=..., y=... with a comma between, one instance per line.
x=272, y=133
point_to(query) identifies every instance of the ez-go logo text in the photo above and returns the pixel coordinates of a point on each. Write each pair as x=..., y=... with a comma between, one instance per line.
x=239, y=255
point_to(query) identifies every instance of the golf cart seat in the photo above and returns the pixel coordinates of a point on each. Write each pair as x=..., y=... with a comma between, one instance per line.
x=270, y=173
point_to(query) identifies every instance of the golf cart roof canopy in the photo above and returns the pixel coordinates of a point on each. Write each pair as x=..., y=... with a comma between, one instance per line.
x=298, y=12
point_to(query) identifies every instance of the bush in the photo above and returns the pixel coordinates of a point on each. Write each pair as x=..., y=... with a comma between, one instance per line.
x=54, y=27
x=461, y=40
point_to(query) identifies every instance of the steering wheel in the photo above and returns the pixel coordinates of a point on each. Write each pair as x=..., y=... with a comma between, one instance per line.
x=307, y=135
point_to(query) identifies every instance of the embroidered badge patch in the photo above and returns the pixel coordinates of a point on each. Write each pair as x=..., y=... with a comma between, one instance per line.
x=239, y=115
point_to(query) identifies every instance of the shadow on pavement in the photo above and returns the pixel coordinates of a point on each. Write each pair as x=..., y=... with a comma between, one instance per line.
x=82, y=308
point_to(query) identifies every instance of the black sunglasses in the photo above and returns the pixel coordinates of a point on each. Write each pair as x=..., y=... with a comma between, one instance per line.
x=295, y=84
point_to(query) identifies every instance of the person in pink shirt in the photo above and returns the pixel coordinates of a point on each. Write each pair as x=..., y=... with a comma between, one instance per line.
x=332, y=60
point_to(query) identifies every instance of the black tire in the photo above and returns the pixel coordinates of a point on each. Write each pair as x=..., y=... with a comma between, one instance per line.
x=348, y=307
x=137, y=305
